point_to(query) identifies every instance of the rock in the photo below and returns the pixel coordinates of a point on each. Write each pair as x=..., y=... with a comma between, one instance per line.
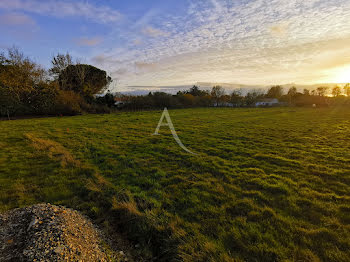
x=32, y=223
x=49, y=233
x=59, y=250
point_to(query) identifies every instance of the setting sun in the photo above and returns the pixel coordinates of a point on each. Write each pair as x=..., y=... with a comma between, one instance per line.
x=341, y=75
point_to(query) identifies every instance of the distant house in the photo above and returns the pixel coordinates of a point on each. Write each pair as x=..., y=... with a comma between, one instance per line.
x=120, y=102
x=223, y=104
x=267, y=102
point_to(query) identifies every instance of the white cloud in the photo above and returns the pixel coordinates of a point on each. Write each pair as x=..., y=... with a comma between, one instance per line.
x=16, y=19
x=98, y=14
x=153, y=32
x=85, y=41
x=19, y=26
x=253, y=42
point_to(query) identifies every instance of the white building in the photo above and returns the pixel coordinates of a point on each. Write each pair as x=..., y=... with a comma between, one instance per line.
x=267, y=102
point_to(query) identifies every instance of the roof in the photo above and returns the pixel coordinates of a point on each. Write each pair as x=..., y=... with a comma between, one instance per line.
x=268, y=100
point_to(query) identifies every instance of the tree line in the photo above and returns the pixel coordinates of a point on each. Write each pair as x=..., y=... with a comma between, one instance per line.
x=217, y=96
x=67, y=88
x=70, y=87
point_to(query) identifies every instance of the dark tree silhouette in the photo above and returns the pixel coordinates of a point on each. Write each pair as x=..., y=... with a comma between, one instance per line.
x=86, y=80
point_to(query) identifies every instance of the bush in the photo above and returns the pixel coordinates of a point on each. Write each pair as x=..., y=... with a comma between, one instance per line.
x=69, y=103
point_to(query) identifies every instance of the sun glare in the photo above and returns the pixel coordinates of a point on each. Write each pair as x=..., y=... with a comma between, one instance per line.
x=342, y=75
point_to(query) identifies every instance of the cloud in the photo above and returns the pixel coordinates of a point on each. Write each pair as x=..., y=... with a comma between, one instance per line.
x=19, y=26
x=137, y=42
x=84, y=41
x=153, y=32
x=16, y=19
x=120, y=71
x=142, y=66
x=252, y=42
x=279, y=30
x=98, y=14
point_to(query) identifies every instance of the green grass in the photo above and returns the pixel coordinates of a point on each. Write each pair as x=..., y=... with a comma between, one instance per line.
x=266, y=185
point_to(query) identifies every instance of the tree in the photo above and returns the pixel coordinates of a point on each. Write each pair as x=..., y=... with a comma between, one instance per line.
x=59, y=63
x=347, y=89
x=252, y=97
x=321, y=91
x=86, y=80
x=306, y=92
x=188, y=100
x=195, y=91
x=275, y=92
x=292, y=92
x=8, y=102
x=217, y=93
x=19, y=73
x=19, y=80
x=336, y=91
x=236, y=98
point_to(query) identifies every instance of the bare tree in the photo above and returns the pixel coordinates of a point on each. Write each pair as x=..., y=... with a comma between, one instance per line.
x=217, y=93
x=59, y=63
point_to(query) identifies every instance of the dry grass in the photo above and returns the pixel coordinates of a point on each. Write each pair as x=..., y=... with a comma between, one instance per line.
x=54, y=150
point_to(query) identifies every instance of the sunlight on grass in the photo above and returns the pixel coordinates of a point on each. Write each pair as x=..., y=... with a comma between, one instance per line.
x=267, y=184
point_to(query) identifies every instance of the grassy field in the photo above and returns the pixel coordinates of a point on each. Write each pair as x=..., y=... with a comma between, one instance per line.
x=265, y=185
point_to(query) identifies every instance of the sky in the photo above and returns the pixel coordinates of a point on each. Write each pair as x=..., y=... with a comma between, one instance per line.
x=182, y=42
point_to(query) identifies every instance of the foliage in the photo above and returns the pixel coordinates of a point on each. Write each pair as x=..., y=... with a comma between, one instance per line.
x=275, y=92
x=252, y=97
x=108, y=99
x=336, y=91
x=195, y=91
x=267, y=184
x=26, y=89
x=321, y=91
x=85, y=80
x=18, y=73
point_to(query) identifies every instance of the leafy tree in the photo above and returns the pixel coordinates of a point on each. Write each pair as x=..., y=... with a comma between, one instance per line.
x=8, y=102
x=195, y=91
x=336, y=91
x=217, y=93
x=236, y=98
x=252, y=97
x=292, y=93
x=19, y=80
x=188, y=100
x=275, y=92
x=19, y=73
x=108, y=99
x=306, y=92
x=86, y=80
x=321, y=91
